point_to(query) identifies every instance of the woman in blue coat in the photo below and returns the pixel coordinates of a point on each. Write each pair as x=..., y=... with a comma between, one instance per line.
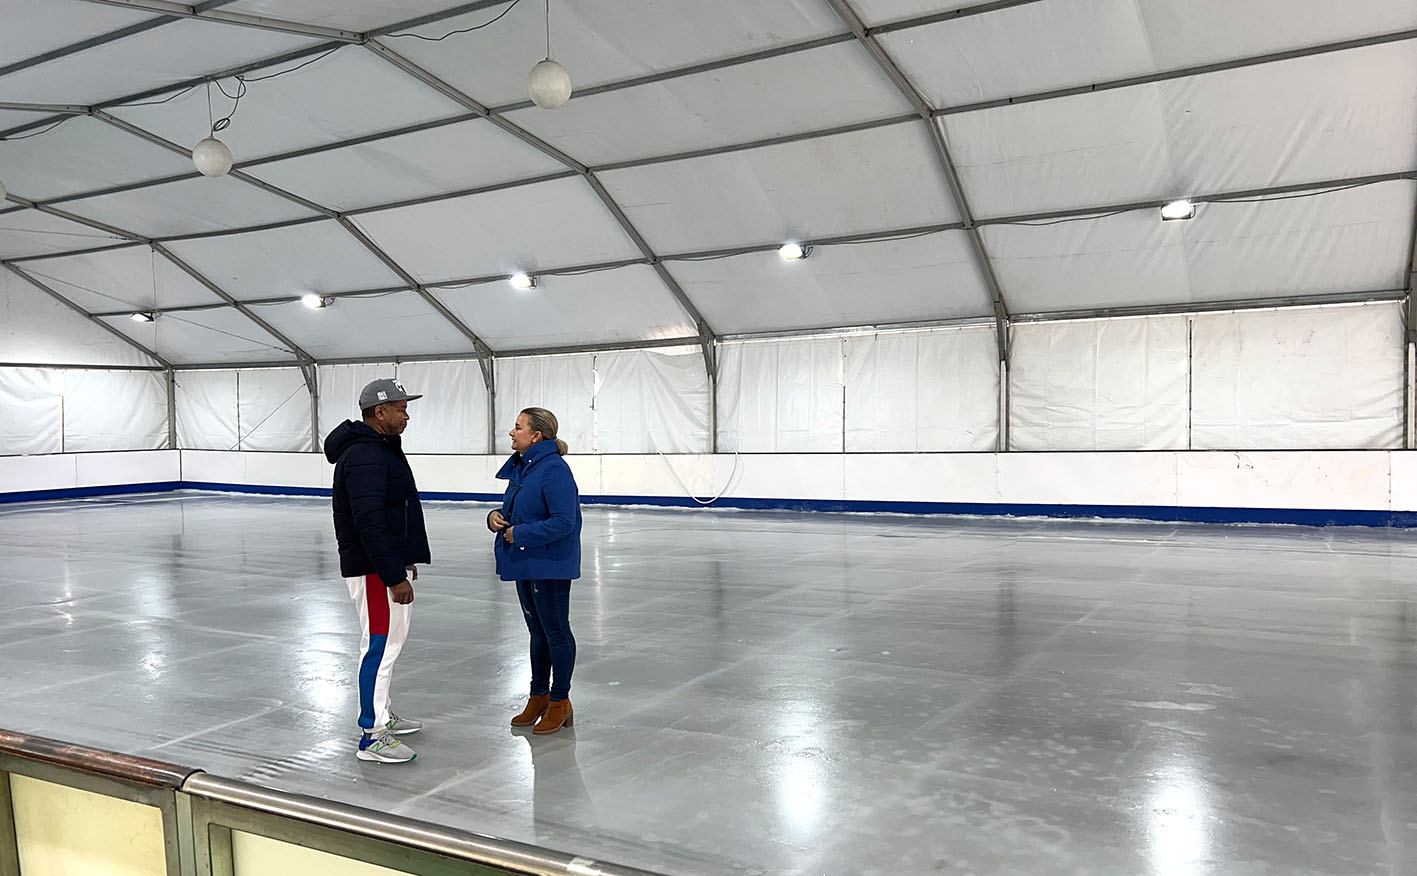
x=538, y=545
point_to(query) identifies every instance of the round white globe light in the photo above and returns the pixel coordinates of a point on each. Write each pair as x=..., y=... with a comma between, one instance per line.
x=549, y=84
x=212, y=157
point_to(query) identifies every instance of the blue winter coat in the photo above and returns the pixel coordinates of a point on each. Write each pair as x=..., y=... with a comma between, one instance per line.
x=544, y=508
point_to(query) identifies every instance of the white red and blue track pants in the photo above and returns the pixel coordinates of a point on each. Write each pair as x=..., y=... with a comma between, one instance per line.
x=384, y=625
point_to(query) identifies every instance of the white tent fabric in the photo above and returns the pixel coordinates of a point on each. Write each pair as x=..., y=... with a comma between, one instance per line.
x=809, y=91
x=923, y=278
x=922, y=391
x=131, y=278
x=115, y=410
x=195, y=336
x=339, y=391
x=344, y=95
x=388, y=324
x=279, y=263
x=1309, y=379
x=414, y=165
x=1117, y=384
x=564, y=385
x=548, y=225
x=31, y=410
x=273, y=409
x=628, y=304
x=872, y=180
x=206, y=410
x=36, y=329
x=781, y=396
x=452, y=415
x=699, y=137
x=652, y=401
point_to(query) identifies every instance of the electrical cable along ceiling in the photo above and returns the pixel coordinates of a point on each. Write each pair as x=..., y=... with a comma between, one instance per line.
x=379, y=177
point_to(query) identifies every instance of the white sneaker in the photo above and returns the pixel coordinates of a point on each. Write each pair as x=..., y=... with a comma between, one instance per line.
x=402, y=726
x=384, y=748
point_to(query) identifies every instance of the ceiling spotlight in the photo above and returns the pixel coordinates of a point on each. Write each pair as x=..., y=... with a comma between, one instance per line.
x=1182, y=209
x=794, y=251
x=143, y=317
x=212, y=157
x=316, y=302
x=522, y=281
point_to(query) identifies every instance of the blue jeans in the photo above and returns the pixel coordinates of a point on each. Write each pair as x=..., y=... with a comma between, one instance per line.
x=547, y=608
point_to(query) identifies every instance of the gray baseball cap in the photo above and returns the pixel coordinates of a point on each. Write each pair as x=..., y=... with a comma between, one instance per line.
x=384, y=390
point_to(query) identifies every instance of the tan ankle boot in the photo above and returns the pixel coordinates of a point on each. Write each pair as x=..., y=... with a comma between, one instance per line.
x=535, y=708
x=557, y=714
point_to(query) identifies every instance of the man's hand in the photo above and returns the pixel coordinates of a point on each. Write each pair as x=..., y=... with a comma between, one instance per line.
x=402, y=592
x=507, y=535
x=496, y=521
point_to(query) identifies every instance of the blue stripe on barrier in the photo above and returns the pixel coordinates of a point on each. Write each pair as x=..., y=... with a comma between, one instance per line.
x=85, y=492
x=1159, y=513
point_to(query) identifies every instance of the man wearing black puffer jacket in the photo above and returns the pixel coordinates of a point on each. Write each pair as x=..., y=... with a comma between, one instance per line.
x=382, y=539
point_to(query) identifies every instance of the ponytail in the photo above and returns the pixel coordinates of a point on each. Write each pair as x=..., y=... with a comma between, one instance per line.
x=543, y=421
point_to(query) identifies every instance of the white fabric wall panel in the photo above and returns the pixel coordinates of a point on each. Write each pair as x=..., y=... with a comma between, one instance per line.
x=1316, y=378
x=339, y=391
x=651, y=401
x=922, y=391
x=115, y=410
x=564, y=385
x=452, y=415
x=273, y=407
x=780, y=396
x=31, y=411
x=1099, y=385
x=206, y=410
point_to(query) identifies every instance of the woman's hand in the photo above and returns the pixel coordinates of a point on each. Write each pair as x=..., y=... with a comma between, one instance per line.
x=496, y=522
x=507, y=535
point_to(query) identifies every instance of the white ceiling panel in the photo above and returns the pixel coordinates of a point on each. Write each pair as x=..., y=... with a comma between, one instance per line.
x=876, y=12
x=1060, y=43
x=32, y=29
x=548, y=225
x=133, y=277
x=84, y=154
x=188, y=207
x=392, y=324
x=318, y=257
x=347, y=94
x=792, y=94
x=30, y=232
x=606, y=42
x=1349, y=241
x=627, y=304
x=200, y=337
x=1186, y=33
x=443, y=159
x=36, y=328
x=171, y=53
x=923, y=278
x=874, y=180
x=14, y=118
x=1335, y=116
x=357, y=15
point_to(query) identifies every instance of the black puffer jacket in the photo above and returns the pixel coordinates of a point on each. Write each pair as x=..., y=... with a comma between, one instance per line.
x=378, y=520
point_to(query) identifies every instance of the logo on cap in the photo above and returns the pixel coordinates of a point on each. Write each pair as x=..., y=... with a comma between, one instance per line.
x=383, y=396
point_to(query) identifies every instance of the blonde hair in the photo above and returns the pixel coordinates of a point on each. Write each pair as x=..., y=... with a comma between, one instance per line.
x=543, y=421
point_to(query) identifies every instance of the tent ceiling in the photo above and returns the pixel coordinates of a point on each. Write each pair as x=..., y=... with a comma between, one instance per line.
x=699, y=128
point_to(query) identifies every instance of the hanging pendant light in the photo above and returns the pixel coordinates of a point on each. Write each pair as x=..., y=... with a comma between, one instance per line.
x=548, y=82
x=210, y=155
